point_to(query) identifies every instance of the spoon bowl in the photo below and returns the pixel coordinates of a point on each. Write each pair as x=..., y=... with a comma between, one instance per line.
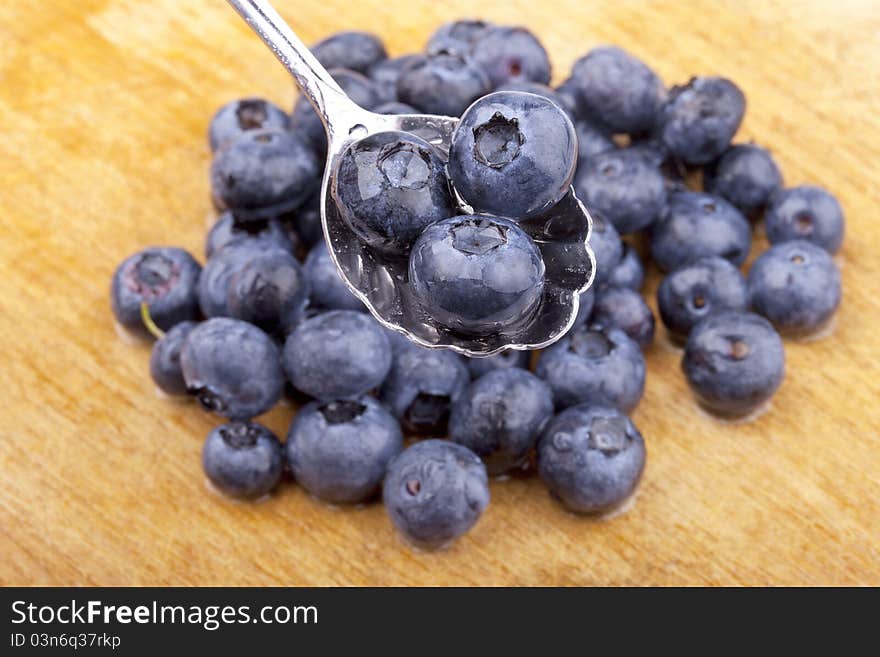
x=381, y=281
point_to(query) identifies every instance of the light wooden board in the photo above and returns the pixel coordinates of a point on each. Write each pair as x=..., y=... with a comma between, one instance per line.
x=103, y=110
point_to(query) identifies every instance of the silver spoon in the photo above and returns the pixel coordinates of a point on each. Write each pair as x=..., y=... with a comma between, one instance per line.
x=381, y=283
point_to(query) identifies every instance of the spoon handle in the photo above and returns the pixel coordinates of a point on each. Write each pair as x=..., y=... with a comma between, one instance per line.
x=328, y=99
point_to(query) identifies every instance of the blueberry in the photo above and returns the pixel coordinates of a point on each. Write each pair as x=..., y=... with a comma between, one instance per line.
x=656, y=154
x=624, y=188
x=690, y=293
x=243, y=115
x=341, y=354
x=745, y=175
x=592, y=140
x=591, y=458
x=629, y=272
x=232, y=367
x=796, y=285
x=339, y=450
x=165, y=278
x=607, y=247
x=356, y=51
x=511, y=54
x=329, y=291
x=568, y=94
x=165, y=360
x=806, y=213
x=701, y=118
x=307, y=124
x=525, y=86
x=618, y=90
x=267, y=233
x=503, y=360
x=652, y=149
x=213, y=288
x=597, y=365
x=264, y=173
x=396, y=339
x=623, y=308
x=385, y=75
x=500, y=416
x=697, y=225
x=269, y=291
x=422, y=385
x=513, y=154
x=435, y=491
x=388, y=187
x=456, y=37
x=477, y=274
x=306, y=222
x=243, y=459
x=585, y=308
x=442, y=84
x=395, y=107
x=733, y=362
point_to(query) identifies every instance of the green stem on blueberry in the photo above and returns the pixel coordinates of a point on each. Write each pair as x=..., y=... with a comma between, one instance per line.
x=154, y=330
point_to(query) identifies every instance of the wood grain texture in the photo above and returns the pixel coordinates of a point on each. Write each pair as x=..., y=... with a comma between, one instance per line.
x=103, y=111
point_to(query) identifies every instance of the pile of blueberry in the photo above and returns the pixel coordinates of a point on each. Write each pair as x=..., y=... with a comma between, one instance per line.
x=269, y=316
x=511, y=162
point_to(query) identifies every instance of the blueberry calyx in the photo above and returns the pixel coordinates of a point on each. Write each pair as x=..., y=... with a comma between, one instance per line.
x=739, y=349
x=153, y=276
x=561, y=441
x=427, y=410
x=478, y=236
x=208, y=399
x=251, y=114
x=497, y=142
x=405, y=166
x=413, y=486
x=590, y=344
x=611, y=169
x=341, y=412
x=608, y=435
x=240, y=435
x=803, y=223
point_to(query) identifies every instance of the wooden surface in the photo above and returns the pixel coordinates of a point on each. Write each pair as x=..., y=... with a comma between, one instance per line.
x=103, y=111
